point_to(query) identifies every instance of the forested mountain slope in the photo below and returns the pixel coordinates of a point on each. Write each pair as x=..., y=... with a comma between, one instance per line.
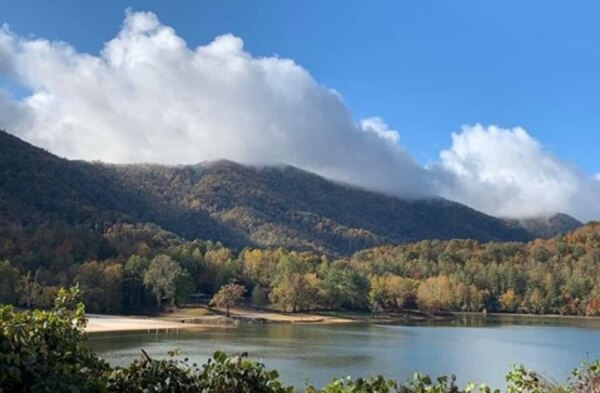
x=235, y=204
x=547, y=227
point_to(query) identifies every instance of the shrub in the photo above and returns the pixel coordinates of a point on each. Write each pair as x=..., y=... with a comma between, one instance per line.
x=158, y=376
x=46, y=351
x=239, y=375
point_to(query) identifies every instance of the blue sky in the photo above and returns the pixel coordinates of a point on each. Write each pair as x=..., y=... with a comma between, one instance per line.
x=425, y=68
x=183, y=82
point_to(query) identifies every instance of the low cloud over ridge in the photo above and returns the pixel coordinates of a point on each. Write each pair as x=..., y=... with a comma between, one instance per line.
x=149, y=97
x=507, y=173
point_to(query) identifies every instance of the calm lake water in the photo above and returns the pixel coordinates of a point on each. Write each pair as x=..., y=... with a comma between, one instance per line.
x=475, y=348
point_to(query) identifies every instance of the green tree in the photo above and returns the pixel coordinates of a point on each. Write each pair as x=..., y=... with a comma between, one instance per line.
x=342, y=287
x=184, y=285
x=260, y=297
x=161, y=277
x=133, y=285
x=9, y=279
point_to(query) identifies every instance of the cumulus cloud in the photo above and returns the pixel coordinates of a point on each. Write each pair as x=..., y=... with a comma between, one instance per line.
x=507, y=173
x=150, y=97
x=377, y=126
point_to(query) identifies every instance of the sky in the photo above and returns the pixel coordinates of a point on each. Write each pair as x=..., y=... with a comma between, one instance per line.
x=492, y=104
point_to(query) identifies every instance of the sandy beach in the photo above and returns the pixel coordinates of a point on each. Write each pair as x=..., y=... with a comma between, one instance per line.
x=196, y=317
x=117, y=323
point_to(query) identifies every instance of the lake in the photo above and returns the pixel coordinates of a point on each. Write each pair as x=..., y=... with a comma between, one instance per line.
x=474, y=347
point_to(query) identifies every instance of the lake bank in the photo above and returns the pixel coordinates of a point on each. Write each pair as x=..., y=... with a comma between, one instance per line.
x=178, y=320
x=114, y=323
x=186, y=318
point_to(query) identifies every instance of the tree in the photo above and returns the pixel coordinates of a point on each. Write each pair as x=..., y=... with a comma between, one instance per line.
x=259, y=266
x=9, y=278
x=391, y=292
x=296, y=290
x=132, y=283
x=184, y=285
x=378, y=295
x=89, y=279
x=335, y=285
x=161, y=277
x=259, y=296
x=228, y=295
x=112, y=278
x=509, y=301
x=29, y=289
x=436, y=294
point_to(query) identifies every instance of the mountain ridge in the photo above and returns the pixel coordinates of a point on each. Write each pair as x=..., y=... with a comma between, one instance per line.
x=548, y=226
x=239, y=205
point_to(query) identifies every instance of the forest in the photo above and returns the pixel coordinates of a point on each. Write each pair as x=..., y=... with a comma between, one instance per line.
x=238, y=205
x=141, y=268
x=128, y=236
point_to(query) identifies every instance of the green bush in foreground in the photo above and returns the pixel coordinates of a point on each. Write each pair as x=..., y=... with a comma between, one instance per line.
x=46, y=351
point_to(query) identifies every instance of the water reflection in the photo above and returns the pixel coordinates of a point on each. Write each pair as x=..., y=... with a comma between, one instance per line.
x=473, y=347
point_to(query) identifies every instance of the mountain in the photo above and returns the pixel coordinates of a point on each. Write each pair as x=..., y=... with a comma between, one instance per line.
x=225, y=201
x=547, y=227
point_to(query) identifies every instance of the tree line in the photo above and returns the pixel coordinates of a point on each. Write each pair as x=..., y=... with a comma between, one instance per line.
x=141, y=267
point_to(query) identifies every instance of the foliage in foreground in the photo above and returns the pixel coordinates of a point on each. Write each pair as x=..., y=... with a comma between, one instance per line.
x=46, y=351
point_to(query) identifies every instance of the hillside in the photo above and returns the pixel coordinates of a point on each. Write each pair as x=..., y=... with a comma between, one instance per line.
x=235, y=204
x=284, y=206
x=547, y=227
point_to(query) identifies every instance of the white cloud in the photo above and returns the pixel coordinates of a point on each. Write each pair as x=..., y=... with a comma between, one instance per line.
x=507, y=173
x=377, y=126
x=149, y=97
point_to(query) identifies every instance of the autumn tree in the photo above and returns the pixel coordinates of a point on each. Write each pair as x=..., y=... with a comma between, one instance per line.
x=259, y=266
x=296, y=291
x=436, y=294
x=509, y=301
x=391, y=292
x=227, y=296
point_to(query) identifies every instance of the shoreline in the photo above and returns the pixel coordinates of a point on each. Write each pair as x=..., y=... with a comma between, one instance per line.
x=202, y=317
x=185, y=319
x=123, y=323
x=522, y=315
